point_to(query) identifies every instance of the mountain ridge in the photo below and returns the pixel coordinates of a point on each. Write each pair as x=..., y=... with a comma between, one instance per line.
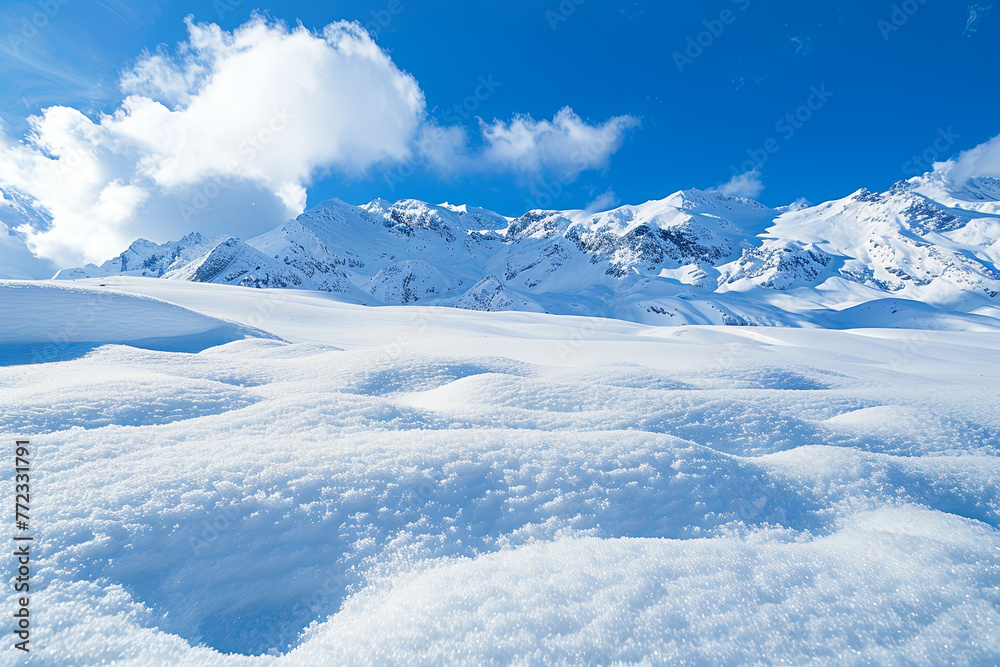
x=694, y=257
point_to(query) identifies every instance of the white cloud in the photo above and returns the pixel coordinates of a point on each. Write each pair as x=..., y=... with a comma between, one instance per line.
x=566, y=144
x=16, y=261
x=563, y=147
x=226, y=133
x=747, y=184
x=263, y=107
x=983, y=160
x=445, y=149
x=603, y=202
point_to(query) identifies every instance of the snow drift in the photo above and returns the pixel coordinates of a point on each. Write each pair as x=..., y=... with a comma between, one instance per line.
x=46, y=322
x=427, y=486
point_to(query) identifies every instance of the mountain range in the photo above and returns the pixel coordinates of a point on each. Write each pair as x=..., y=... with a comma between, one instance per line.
x=923, y=254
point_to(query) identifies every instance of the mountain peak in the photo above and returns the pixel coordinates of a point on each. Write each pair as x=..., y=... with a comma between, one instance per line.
x=713, y=257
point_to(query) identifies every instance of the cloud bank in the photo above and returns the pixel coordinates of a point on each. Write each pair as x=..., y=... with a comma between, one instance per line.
x=226, y=134
x=983, y=160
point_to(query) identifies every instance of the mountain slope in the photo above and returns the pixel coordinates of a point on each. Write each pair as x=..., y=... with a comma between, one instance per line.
x=145, y=258
x=695, y=257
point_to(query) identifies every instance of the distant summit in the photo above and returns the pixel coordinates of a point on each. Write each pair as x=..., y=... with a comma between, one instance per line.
x=696, y=257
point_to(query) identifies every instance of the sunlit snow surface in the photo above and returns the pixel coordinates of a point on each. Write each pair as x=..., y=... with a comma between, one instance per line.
x=426, y=486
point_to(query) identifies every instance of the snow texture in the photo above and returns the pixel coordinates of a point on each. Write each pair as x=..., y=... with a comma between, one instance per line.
x=339, y=484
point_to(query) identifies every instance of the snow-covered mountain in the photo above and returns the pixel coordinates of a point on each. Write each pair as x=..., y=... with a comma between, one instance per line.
x=147, y=259
x=694, y=257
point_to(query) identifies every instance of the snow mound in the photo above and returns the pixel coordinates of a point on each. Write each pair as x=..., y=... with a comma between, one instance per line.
x=425, y=486
x=628, y=601
x=52, y=322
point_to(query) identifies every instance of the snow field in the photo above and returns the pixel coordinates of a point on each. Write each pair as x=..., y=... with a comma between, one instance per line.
x=480, y=494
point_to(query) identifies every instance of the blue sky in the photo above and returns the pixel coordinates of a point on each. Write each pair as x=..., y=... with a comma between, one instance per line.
x=895, y=78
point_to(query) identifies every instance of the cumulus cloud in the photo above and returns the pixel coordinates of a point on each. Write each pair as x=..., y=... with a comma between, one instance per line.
x=566, y=144
x=16, y=260
x=747, y=184
x=983, y=160
x=563, y=147
x=226, y=133
x=257, y=111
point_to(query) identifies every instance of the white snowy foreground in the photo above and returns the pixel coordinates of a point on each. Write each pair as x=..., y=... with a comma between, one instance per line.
x=270, y=476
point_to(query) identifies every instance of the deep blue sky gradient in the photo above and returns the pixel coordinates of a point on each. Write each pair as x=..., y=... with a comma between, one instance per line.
x=891, y=97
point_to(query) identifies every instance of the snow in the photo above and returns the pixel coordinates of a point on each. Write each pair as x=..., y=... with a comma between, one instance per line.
x=52, y=322
x=704, y=601
x=694, y=257
x=80, y=273
x=145, y=258
x=299, y=480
